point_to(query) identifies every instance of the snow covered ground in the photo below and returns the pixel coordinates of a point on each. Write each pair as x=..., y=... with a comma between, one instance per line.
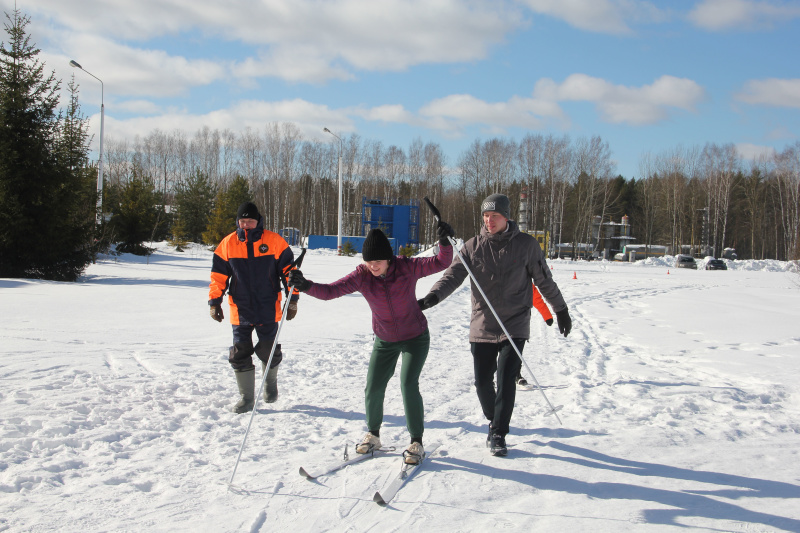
x=680, y=393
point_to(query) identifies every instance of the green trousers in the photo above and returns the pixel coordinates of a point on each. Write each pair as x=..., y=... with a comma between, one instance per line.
x=381, y=369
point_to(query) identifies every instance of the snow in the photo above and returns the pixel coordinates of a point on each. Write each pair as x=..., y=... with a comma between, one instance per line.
x=680, y=393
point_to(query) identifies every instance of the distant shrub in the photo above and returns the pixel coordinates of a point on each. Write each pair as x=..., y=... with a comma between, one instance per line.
x=407, y=250
x=348, y=249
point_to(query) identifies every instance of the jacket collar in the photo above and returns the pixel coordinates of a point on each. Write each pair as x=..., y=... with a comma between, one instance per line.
x=252, y=235
x=503, y=236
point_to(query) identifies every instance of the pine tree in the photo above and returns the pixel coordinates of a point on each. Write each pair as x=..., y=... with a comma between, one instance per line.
x=43, y=195
x=223, y=216
x=194, y=199
x=137, y=214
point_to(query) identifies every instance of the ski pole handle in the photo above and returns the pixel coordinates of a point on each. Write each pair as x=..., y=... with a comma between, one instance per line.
x=436, y=214
x=300, y=259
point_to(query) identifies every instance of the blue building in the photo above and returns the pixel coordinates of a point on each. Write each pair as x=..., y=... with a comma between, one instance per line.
x=399, y=221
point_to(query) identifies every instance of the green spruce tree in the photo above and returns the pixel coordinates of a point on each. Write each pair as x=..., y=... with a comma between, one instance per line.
x=194, y=200
x=223, y=216
x=137, y=214
x=45, y=228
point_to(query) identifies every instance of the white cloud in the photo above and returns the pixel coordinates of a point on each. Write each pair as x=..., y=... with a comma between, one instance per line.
x=618, y=104
x=302, y=40
x=621, y=104
x=464, y=109
x=141, y=107
x=300, y=63
x=754, y=151
x=244, y=114
x=602, y=16
x=717, y=15
x=130, y=71
x=771, y=92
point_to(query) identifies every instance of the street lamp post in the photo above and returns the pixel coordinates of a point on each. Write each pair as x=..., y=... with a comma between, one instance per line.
x=75, y=64
x=339, y=239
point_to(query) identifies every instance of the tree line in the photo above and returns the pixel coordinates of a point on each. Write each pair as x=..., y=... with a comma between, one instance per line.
x=186, y=187
x=693, y=196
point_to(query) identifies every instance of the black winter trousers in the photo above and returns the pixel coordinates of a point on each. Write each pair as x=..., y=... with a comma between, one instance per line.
x=489, y=358
x=241, y=353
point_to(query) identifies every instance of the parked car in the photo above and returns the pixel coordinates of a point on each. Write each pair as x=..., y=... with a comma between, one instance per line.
x=716, y=264
x=685, y=261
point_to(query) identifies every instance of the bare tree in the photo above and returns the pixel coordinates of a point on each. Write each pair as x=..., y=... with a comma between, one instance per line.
x=787, y=171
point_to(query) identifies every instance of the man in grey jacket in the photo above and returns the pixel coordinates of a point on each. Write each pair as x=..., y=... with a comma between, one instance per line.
x=504, y=261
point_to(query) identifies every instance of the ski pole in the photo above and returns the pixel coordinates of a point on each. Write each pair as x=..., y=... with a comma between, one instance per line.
x=284, y=310
x=437, y=217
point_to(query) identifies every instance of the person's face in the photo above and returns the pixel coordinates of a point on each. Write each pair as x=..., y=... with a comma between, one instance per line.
x=379, y=267
x=494, y=222
x=247, y=223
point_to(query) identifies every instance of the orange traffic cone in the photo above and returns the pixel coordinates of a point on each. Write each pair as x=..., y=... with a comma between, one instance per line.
x=574, y=275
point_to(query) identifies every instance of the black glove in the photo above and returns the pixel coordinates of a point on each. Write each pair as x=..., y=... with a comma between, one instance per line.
x=296, y=280
x=290, y=314
x=429, y=301
x=216, y=313
x=549, y=321
x=564, y=322
x=443, y=231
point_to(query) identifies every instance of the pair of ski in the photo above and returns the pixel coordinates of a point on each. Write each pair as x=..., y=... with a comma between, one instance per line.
x=380, y=497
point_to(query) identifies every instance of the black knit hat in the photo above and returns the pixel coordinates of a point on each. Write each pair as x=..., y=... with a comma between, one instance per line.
x=248, y=210
x=497, y=202
x=376, y=246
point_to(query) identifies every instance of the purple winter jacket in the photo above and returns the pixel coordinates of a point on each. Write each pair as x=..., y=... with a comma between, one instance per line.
x=396, y=316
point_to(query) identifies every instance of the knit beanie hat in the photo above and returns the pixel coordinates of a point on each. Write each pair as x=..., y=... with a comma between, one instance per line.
x=248, y=210
x=497, y=202
x=376, y=246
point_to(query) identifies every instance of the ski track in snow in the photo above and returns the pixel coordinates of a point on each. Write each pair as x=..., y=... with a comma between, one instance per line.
x=115, y=417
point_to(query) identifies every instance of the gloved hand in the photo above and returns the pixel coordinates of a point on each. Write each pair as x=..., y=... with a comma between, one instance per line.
x=216, y=313
x=298, y=281
x=564, y=322
x=290, y=314
x=443, y=231
x=429, y=301
x=549, y=321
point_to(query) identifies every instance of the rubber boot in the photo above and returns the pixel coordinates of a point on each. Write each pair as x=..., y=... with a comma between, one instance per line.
x=247, y=386
x=271, y=384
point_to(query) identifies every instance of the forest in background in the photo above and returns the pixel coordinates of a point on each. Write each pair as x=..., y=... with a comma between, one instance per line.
x=752, y=206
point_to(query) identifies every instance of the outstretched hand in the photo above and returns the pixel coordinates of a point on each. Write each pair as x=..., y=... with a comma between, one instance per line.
x=298, y=281
x=429, y=301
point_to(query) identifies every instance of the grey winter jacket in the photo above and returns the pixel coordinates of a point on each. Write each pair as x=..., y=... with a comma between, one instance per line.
x=504, y=265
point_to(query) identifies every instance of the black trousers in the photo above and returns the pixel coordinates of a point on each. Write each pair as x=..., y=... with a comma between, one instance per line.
x=241, y=353
x=489, y=358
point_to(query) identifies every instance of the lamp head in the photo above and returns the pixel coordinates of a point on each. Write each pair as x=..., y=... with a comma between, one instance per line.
x=75, y=64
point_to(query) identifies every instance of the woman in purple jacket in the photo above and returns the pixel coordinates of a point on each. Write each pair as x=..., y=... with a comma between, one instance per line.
x=388, y=283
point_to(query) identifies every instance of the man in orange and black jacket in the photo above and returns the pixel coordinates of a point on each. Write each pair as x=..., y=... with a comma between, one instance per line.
x=249, y=263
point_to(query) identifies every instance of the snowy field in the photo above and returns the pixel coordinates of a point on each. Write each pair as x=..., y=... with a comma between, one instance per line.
x=680, y=393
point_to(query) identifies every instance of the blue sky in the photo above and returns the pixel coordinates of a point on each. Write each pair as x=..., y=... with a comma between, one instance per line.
x=647, y=77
